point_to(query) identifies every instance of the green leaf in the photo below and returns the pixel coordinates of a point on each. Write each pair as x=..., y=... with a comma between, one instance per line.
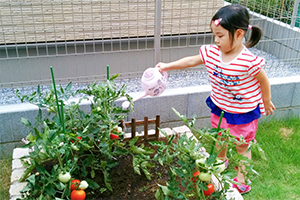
x=136, y=165
x=50, y=190
x=133, y=141
x=107, y=180
x=158, y=195
x=26, y=189
x=26, y=122
x=26, y=173
x=144, y=166
x=114, y=77
x=165, y=190
x=93, y=173
x=60, y=185
x=31, y=138
x=182, y=117
x=31, y=179
x=92, y=184
x=211, y=159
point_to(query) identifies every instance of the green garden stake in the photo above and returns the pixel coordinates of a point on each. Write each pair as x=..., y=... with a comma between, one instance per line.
x=56, y=98
x=62, y=116
x=220, y=120
x=107, y=72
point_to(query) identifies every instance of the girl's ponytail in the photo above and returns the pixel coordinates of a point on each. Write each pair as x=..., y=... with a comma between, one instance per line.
x=255, y=36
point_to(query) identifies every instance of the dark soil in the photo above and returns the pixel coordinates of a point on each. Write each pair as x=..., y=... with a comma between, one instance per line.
x=127, y=185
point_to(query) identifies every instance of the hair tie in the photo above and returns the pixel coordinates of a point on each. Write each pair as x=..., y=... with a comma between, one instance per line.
x=249, y=27
x=217, y=21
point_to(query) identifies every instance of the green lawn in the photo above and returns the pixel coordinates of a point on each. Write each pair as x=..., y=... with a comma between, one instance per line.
x=5, y=172
x=279, y=175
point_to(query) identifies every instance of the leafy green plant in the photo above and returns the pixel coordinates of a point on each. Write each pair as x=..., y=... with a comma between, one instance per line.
x=67, y=142
x=191, y=169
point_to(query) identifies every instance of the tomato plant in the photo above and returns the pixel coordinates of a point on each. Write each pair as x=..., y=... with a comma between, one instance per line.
x=78, y=195
x=210, y=190
x=99, y=142
x=76, y=140
x=187, y=155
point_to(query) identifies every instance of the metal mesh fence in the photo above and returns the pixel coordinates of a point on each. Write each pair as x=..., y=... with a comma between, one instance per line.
x=80, y=38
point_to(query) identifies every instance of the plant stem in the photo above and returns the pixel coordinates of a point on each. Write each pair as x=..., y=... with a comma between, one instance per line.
x=218, y=129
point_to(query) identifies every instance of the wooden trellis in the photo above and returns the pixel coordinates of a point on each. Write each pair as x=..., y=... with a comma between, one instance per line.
x=146, y=137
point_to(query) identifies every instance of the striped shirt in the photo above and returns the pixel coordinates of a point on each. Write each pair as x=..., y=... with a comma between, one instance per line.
x=234, y=86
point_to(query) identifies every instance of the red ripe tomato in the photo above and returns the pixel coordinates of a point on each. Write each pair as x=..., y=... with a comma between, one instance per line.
x=210, y=190
x=78, y=195
x=114, y=137
x=74, y=184
x=195, y=176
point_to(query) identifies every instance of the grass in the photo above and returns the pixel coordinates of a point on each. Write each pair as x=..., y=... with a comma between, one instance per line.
x=279, y=175
x=5, y=172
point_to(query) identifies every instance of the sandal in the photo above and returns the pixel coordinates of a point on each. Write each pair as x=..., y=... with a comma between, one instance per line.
x=242, y=188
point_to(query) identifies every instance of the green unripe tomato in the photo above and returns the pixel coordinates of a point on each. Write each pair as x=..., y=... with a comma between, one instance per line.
x=64, y=177
x=83, y=185
x=205, y=176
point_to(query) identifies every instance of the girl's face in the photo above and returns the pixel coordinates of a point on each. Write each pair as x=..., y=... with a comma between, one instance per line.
x=223, y=39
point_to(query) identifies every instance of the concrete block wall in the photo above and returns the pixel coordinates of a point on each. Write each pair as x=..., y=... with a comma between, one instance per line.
x=187, y=101
x=281, y=39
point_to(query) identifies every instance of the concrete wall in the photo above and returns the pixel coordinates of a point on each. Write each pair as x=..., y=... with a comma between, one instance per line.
x=188, y=101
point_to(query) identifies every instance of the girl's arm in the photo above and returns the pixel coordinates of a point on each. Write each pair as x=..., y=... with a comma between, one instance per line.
x=186, y=62
x=266, y=91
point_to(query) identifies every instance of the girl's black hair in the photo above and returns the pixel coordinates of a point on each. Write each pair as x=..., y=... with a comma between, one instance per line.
x=236, y=17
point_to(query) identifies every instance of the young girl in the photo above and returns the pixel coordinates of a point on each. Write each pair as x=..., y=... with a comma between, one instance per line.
x=240, y=86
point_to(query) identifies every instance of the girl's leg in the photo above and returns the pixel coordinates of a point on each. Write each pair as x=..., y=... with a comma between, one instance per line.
x=242, y=150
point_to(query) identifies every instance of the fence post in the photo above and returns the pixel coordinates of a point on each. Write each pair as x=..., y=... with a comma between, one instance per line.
x=157, y=125
x=295, y=13
x=157, y=31
x=146, y=129
x=133, y=128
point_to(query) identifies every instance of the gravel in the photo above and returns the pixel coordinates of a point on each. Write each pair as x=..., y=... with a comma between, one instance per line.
x=183, y=78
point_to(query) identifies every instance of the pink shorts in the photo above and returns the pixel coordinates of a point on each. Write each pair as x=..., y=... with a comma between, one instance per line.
x=247, y=130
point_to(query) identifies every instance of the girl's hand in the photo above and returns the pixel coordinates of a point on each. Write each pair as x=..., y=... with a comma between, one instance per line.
x=269, y=107
x=161, y=66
